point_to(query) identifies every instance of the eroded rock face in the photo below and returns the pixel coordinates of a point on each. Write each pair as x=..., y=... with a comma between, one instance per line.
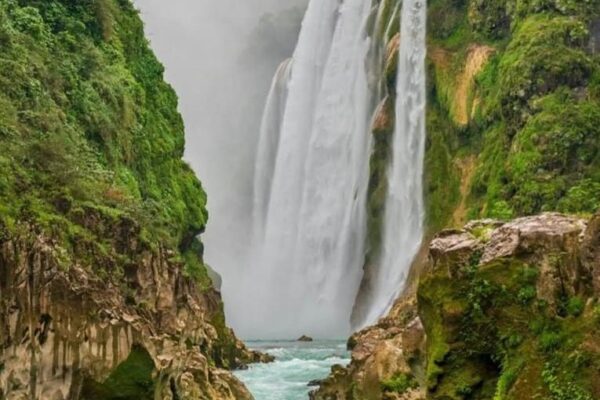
x=497, y=302
x=379, y=353
x=551, y=231
x=497, y=297
x=65, y=328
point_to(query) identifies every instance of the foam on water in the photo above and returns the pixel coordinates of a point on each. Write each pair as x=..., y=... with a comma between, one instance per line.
x=296, y=365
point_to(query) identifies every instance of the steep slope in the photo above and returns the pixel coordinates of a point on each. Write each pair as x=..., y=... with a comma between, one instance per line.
x=502, y=311
x=512, y=130
x=514, y=87
x=103, y=291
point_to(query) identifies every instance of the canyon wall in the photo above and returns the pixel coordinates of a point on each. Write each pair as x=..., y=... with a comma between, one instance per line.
x=103, y=290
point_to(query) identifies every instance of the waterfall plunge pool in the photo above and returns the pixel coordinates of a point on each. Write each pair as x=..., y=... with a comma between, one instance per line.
x=295, y=365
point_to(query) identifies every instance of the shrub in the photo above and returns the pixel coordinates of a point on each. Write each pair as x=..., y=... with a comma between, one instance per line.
x=575, y=306
x=400, y=383
x=550, y=341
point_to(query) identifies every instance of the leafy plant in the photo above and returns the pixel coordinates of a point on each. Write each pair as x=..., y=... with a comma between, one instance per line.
x=399, y=383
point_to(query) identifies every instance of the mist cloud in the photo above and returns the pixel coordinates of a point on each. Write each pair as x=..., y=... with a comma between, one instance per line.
x=219, y=56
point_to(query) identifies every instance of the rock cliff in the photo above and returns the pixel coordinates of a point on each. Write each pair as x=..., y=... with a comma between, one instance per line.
x=502, y=310
x=68, y=333
x=103, y=290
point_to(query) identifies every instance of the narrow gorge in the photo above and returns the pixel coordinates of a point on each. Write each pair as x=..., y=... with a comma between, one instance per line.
x=403, y=200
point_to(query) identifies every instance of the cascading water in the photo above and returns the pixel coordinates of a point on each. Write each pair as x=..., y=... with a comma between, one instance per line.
x=404, y=213
x=267, y=146
x=307, y=267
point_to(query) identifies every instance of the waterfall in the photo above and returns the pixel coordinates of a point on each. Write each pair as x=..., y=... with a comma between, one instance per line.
x=404, y=214
x=311, y=183
x=267, y=146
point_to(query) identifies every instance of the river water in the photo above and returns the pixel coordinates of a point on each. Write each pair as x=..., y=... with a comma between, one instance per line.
x=295, y=366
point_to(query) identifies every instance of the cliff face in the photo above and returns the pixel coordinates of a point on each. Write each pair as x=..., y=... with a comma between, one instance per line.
x=513, y=109
x=512, y=130
x=103, y=290
x=70, y=333
x=502, y=311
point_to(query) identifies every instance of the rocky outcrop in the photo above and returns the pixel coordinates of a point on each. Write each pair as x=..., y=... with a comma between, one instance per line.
x=68, y=328
x=381, y=354
x=503, y=310
x=498, y=303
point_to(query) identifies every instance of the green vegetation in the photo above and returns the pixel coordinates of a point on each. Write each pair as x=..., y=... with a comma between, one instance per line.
x=131, y=380
x=92, y=146
x=535, y=109
x=486, y=339
x=87, y=121
x=399, y=383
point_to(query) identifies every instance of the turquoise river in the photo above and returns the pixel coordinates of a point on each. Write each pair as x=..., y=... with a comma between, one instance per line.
x=295, y=366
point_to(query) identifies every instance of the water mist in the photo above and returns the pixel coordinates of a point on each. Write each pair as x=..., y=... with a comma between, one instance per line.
x=310, y=213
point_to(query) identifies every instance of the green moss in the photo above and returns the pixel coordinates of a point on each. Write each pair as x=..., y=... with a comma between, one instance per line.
x=541, y=160
x=87, y=122
x=575, y=306
x=535, y=120
x=96, y=120
x=554, y=153
x=561, y=389
x=497, y=344
x=449, y=24
x=131, y=380
x=442, y=181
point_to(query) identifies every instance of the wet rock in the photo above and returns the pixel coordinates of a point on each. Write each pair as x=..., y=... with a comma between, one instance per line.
x=395, y=344
x=562, y=251
x=383, y=123
x=305, y=338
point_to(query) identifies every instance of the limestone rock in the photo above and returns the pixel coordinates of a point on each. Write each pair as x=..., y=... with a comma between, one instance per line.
x=529, y=266
x=62, y=325
x=533, y=268
x=379, y=352
x=534, y=234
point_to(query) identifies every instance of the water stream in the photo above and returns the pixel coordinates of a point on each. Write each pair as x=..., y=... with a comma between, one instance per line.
x=297, y=364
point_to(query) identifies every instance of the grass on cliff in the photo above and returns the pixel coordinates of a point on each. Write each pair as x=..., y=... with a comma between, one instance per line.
x=490, y=335
x=87, y=121
x=535, y=119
